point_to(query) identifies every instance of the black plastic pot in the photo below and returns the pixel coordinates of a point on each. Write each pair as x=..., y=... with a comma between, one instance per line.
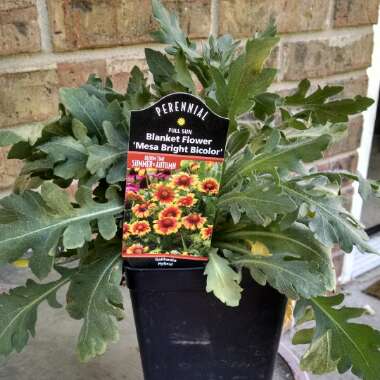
x=186, y=334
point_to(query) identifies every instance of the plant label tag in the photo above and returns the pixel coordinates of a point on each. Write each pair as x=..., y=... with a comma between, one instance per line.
x=174, y=168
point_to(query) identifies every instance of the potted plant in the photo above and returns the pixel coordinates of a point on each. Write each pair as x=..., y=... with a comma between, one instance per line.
x=277, y=222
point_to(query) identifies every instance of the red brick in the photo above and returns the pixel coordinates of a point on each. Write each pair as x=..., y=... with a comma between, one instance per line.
x=9, y=169
x=28, y=97
x=81, y=24
x=74, y=74
x=16, y=4
x=119, y=69
x=244, y=17
x=340, y=163
x=319, y=58
x=355, y=12
x=19, y=30
x=194, y=15
x=351, y=141
x=353, y=86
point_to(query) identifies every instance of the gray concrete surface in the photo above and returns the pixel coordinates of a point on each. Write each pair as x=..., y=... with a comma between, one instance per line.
x=51, y=355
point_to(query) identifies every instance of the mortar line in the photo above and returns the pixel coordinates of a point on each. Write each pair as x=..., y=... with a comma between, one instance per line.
x=280, y=61
x=215, y=14
x=43, y=22
x=49, y=58
x=330, y=15
x=354, y=32
x=334, y=158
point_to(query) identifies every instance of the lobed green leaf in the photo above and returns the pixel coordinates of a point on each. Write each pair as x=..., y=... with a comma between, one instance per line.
x=94, y=296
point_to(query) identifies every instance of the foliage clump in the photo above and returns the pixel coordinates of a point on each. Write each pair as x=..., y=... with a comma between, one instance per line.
x=277, y=217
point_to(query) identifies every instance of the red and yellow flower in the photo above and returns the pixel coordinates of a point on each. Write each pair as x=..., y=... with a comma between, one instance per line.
x=143, y=210
x=206, y=232
x=209, y=186
x=170, y=212
x=140, y=228
x=166, y=226
x=188, y=200
x=193, y=221
x=135, y=249
x=132, y=196
x=194, y=167
x=183, y=180
x=126, y=231
x=164, y=194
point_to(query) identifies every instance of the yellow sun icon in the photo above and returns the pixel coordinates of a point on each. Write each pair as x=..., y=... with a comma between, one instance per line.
x=181, y=121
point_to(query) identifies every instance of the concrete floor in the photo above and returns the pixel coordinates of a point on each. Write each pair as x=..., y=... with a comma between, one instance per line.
x=51, y=355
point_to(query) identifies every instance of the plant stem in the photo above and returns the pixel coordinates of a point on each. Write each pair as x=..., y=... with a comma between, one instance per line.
x=183, y=242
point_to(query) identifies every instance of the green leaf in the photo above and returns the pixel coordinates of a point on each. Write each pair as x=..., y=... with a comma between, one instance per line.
x=138, y=94
x=167, y=77
x=318, y=359
x=20, y=151
x=94, y=296
x=183, y=75
x=247, y=77
x=80, y=132
x=320, y=110
x=18, y=311
x=43, y=219
x=336, y=131
x=103, y=157
x=103, y=90
x=170, y=31
x=261, y=203
x=222, y=280
x=337, y=342
x=220, y=52
x=160, y=66
x=286, y=157
x=9, y=138
x=367, y=187
x=298, y=264
x=328, y=219
x=58, y=128
x=221, y=91
x=108, y=160
x=90, y=110
x=266, y=105
x=242, y=98
x=68, y=155
x=237, y=140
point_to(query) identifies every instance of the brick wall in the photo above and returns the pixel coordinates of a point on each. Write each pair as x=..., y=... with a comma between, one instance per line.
x=45, y=44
